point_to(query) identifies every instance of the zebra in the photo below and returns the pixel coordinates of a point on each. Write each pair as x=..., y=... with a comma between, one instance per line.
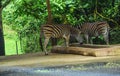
x=95, y=29
x=57, y=31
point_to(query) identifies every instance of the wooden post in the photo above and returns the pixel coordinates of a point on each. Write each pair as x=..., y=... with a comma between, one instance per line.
x=16, y=47
x=19, y=35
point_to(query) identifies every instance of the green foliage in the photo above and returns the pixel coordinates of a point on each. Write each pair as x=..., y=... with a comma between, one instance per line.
x=115, y=36
x=10, y=41
x=30, y=37
x=26, y=16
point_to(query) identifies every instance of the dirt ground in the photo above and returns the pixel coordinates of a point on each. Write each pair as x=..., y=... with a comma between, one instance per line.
x=38, y=59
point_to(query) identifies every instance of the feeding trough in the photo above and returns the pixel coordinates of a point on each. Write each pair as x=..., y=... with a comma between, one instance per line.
x=88, y=50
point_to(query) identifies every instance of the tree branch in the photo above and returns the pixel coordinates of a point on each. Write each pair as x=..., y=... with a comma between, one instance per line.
x=107, y=18
x=96, y=12
x=6, y=3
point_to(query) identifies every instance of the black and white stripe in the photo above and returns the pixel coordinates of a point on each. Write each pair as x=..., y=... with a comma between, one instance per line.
x=95, y=29
x=58, y=31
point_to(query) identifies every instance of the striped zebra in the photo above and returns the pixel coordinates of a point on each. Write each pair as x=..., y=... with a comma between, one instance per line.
x=58, y=31
x=95, y=29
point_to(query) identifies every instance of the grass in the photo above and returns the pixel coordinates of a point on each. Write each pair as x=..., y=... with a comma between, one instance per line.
x=10, y=47
x=10, y=37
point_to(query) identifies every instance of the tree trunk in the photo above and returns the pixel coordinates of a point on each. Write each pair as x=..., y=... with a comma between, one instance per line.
x=49, y=21
x=54, y=40
x=2, y=47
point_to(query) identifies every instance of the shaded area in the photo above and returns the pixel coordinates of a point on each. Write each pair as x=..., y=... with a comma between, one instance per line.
x=92, y=69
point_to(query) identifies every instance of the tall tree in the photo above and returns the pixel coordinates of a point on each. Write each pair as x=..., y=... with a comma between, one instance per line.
x=49, y=12
x=2, y=44
x=54, y=40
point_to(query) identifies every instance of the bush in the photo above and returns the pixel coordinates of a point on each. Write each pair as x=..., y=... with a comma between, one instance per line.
x=115, y=35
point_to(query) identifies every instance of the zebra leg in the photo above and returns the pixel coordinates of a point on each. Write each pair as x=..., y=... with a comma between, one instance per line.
x=106, y=38
x=91, y=41
x=87, y=38
x=106, y=35
x=45, y=45
x=67, y=40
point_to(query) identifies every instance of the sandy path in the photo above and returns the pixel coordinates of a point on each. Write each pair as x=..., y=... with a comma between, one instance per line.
x=37, y=59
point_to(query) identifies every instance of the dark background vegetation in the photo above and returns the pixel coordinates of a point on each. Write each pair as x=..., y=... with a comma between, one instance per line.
x=26, y=16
